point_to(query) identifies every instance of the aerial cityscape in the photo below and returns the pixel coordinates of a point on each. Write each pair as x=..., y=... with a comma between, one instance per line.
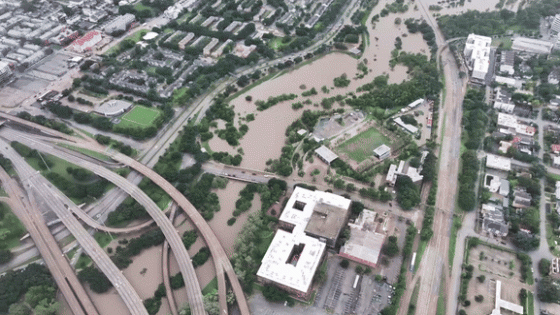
x=278, y=157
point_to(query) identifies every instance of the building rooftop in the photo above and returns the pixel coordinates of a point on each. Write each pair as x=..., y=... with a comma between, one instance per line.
x=150, y=35
x=512, y=307
x=113, y=107
x=326, y=154
x=364, y=244
x=326, y=220
x=498, y=162
x=407, y=127
x=302, y=204
x=381, y=150
x=531, y=45
x=292, y=259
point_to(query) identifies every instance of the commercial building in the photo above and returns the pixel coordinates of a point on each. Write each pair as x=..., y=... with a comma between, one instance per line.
x=532, y=46
x=382, y=152
x=365, y=243
x=87, y=41
x=325, y=154
x=493, y=220
x=309, y=221
x=509, y=81
x=113, y=108
x=403, y=170
x=119, y=24
x=498, y=162
x=477, y=55
x=410, y=128
x=509, y=124
x=512, y=307
x=316, y=213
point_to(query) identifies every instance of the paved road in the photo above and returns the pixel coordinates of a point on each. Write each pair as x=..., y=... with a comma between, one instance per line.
x=38, y=187
x=185, y=264
x=165, y=268
x=63, y=274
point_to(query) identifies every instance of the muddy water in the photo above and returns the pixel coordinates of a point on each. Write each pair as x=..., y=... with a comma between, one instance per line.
x=265, y=137
x=479, y=5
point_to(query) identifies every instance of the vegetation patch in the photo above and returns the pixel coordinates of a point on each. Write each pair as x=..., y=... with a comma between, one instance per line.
x=139, y=116
x=361, y=146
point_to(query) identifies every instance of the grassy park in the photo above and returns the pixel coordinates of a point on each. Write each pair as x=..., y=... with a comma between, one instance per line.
x=11, y=229
x=361, y=146
x=139, y=116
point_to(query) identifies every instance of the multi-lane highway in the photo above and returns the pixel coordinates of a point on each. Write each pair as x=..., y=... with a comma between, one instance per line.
x=185, y=265
x=66, y=280
x=39, y=188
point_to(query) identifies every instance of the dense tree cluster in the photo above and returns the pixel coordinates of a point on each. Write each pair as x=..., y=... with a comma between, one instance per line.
x=97, y=280
x=496, y=22
x=273, y=100
x=201, y=257
x=379, y=94
x=391, y=247
x=49, y=123
x=15, y=284
x=408, y=194
x=135, y=246
x=548, y=290
x=400, y=286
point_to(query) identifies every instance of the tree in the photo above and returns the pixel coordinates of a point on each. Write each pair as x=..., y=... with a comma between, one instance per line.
x=339, y=184
x=479, y=298
x=548, y=290
x=544, y=267
x=5, y=256
x=19, y=309
x=344, y=263
x=356, y=207
x=391, y=248
x=274, y=294
x=408, y=195
x=38, y=293
x=481, y=278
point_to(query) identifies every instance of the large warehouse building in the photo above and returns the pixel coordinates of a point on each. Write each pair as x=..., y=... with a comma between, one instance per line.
x=311, y=221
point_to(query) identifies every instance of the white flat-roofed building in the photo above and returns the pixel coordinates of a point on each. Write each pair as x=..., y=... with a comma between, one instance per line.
x=295, y=254
x=364, y=244
x=477, y=54
x=405, y=126
x=512, y=307
x=509, y=81
x=498, y=162
x=382, y=152
x=120, y=23
x=291, y=262
x=532, y=46
x=512, y=123
x=555, y=25
x=325, y=154
x=113, y=108
x=150, y=36
x=402, y=170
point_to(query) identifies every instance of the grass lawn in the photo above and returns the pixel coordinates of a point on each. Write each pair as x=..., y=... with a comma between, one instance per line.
x=139, y=116
x=361, y=146
x=530, y=303
x=136, y=37
x=441, y=298
x=83, y=261
x=93, y=154
x=11, y=223
x=550, y=238
x=276, y=43
x=505, y=41
x=453, y=239
x=71, y=253
x=421, y=248
x=103, y=238
x=211, y=286
x=414, y=298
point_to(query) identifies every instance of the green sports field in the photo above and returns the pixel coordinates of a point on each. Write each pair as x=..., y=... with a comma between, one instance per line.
x=139, y=116
x=361, y=146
